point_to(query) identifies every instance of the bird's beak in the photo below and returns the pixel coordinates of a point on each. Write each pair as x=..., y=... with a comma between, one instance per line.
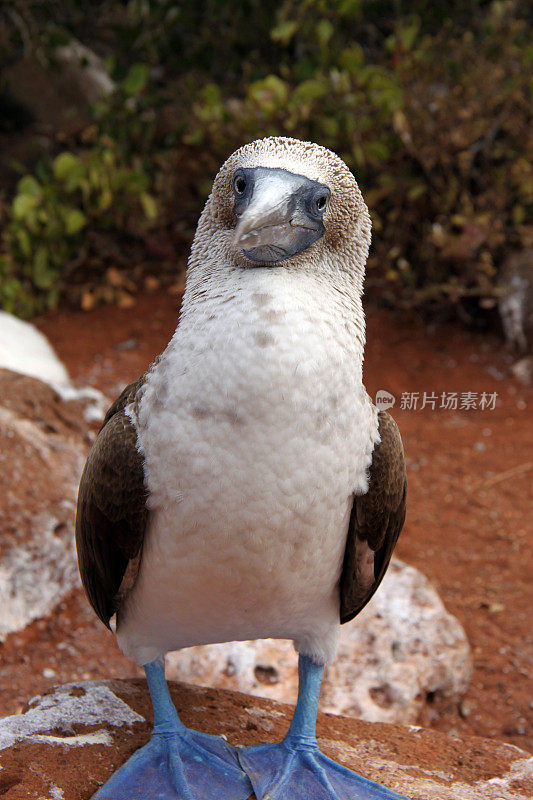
x=260, y=223
x=278, y=216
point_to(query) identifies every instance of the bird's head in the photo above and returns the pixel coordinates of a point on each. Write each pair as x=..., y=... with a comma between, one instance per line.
x=281, y=201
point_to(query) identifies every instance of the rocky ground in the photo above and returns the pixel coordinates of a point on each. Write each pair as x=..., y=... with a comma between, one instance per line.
x=98, y=725
x=468, y=514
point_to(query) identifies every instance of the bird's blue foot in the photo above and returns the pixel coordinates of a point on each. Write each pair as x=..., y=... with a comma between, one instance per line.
x=291, y=772
x=179, y=766
x=296, y=769
x=177, y=763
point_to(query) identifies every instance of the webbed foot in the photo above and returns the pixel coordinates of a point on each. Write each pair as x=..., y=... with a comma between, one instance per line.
x=301, y=772
x=181, y=765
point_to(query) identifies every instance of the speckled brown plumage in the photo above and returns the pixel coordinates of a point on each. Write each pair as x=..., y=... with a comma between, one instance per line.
x=377, y=517
x=111, y=515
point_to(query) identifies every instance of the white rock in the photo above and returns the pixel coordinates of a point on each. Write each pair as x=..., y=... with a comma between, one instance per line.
x=26, y=350
x=523, y=370
x=402, y=650
x=34, y=580
x=43, y=446
x=73, y=704
x=515, y=283
x=95, y=403
x=85, y=70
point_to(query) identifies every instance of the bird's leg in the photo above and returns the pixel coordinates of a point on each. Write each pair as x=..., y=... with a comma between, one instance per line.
x=296, y=768
x=177, y=762
x=302, y=730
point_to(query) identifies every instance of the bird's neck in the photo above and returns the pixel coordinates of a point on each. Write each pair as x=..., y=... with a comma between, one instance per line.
x=266, y=305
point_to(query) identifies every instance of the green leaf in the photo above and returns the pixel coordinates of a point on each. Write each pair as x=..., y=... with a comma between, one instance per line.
x=109, y=64
x=518, y=214
x=284, y=32
x=52, y=296
x=42, y=216
x=104, y=200
x=64, y=165
x=29, y=185
x=352, y=59
x=408, y=33
x=324, y=32
x=350, y=8
x=136, y=79
x=24, y=242
x=210, y=107
x=358, y=155
x=211, y=95
x=23, y=205
x=269, y=93
x=149, y=205
x=107, y=157
x=310, y=90
x=10, y=287
x=74, y=220
x=329, y=126
x=377, y=150
x=43, y=277
x=417, y=191
x=193, y=137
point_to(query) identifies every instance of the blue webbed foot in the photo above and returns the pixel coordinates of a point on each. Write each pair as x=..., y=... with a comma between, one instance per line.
x=177, y=763
x=180, y=765
x=287, y=772
x=296, y=769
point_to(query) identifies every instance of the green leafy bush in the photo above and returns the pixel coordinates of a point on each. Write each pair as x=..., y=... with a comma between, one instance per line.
x=429, y=105
x=456, y=195
x=50, y=214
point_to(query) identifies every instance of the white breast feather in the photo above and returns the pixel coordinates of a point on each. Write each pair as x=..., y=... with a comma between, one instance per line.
x=256, y=432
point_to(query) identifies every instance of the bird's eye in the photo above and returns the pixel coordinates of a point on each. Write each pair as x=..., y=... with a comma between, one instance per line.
x=322, y=201
x=239, y=184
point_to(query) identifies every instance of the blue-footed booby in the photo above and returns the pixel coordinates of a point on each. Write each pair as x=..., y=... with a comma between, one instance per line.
x=245, y=486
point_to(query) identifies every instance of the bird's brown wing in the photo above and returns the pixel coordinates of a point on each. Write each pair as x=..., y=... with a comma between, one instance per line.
x=375, y=523
x=111, y=516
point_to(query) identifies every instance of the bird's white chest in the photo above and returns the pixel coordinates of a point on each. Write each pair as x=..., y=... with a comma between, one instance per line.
x=256, y=432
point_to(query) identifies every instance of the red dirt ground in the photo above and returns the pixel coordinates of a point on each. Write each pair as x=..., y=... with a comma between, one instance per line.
x=469, y=503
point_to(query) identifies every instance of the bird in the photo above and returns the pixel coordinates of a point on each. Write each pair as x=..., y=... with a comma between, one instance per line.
x=245, y=486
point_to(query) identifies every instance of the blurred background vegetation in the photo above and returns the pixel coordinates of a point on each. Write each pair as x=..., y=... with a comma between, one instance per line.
x=115, y=116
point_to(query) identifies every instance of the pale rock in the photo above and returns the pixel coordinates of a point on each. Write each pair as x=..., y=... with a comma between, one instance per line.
x=400, y=660
x=43, y=445
x=85, y=70
x=515, y=283
x=51, y=719
x=58, y=92
x=25, y=350
x=523, y=370
x=45, y=434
